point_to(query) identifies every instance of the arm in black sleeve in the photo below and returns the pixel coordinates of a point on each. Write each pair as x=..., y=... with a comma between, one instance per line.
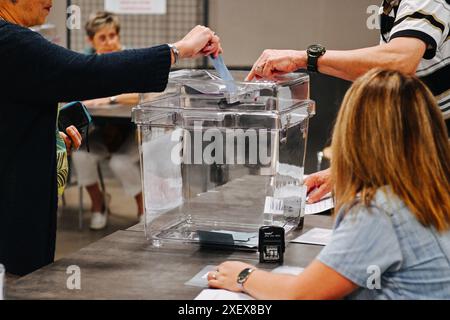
x=37, y=70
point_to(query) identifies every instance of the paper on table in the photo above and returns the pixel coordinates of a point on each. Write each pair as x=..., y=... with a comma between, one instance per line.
x=326, y=203
x=201, y=278
x=317, y=236
x=219, y=294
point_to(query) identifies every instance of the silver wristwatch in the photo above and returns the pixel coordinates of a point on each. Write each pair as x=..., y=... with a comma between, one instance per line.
x=243, y=277
x=175, y=51
x=113, y=100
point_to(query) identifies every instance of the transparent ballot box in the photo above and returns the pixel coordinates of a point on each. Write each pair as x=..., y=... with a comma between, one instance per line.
x=215, y=171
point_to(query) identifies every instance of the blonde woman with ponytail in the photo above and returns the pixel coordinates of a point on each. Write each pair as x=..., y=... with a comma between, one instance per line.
x=391, y=172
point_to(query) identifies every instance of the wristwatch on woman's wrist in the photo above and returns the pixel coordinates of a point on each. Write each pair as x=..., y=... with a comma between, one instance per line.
x=243, y=277
x=314, y=53
x=113, y=100
x=175, y=52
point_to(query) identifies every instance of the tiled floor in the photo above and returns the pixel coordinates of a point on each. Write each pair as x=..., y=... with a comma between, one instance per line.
x=71, y=239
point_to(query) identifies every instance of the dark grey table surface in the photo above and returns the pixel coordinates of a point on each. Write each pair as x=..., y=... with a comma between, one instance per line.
x=125, y=265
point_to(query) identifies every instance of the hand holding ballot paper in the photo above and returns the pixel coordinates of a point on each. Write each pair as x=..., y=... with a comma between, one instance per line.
x=319, y=184
x=193, y=44
x=325, y=204
x=319, y=197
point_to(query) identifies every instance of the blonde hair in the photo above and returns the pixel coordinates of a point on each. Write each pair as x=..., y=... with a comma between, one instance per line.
x=390, y=132
x=99, y=20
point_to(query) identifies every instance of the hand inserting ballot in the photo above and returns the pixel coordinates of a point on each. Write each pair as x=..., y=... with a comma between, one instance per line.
x=273, y=63
x=200, y=41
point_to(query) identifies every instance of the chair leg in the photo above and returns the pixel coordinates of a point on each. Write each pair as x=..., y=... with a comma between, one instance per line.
x=60, y=208
x=102, y=183
x=80, y=210
x=63, y=200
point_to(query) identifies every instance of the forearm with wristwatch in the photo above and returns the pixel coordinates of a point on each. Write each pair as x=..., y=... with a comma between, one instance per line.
x=174, y=53
x=113, y=100
x=314, y=52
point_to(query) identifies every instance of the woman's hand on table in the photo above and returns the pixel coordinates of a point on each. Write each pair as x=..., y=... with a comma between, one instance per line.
x=200, y=41
x=72, y=140
x=226, y=275
x=272, y=63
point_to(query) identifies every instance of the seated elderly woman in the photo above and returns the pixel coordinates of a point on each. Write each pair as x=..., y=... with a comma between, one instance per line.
x=115, y=142
x=391, y=171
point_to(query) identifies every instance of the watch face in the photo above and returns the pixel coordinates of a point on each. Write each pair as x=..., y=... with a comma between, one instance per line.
x=243, y=275
x=316, y=49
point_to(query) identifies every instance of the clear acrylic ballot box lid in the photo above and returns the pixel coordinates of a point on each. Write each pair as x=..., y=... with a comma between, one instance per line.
x=214, y=172
x=291, y=86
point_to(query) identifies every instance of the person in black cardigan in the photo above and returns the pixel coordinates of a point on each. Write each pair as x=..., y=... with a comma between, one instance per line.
x=35, y=76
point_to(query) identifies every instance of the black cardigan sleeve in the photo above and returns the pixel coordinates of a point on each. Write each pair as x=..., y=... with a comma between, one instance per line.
x=35, y=70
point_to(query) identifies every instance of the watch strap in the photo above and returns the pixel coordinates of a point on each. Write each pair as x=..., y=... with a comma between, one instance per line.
x=314, y=52
x=312, y=63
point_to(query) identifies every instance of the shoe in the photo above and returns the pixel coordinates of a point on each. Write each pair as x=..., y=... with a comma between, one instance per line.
x=99, y=220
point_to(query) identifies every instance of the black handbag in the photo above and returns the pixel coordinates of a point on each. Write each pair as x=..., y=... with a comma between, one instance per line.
x=75, y=114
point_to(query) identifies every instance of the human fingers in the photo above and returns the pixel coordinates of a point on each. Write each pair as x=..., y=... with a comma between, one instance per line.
x=312, y=181
x=256, y=67
x=319, y=193
x=267, y=69
x=67, y=140
x=75, y=136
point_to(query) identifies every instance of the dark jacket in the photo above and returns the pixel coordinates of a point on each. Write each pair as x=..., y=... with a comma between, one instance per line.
x=35, y=75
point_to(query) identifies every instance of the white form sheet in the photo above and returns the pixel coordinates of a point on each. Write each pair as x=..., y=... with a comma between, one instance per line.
x=326, y=203
x=220, y=294
x=318, y=236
